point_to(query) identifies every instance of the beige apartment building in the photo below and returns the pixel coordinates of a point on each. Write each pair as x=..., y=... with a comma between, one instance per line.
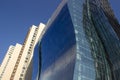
x=9, y=62
x=19, y=66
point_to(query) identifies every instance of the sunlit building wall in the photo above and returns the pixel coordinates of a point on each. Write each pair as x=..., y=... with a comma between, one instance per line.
x=23, y=64
x=9, y=62
x=17, y=64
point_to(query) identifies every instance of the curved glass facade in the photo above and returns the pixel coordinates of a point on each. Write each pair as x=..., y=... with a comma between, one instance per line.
x=109, y=39
x=91, y=62
x=79, y=44
x=58, y=56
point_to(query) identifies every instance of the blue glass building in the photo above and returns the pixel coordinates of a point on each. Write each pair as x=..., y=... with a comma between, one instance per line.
x=80, y=43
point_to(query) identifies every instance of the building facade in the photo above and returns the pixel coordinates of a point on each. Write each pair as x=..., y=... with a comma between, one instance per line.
x=23, y=68
x=17, y=64
x=80, y=43
x=9, y=61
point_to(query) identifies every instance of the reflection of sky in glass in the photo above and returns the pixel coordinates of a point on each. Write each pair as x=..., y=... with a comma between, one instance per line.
x=58, y=38
x=62, y=68
x=35, y=63
x=60, y=60
x=58, y=48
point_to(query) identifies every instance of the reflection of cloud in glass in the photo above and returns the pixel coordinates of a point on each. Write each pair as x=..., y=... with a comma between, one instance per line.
x=60, y=67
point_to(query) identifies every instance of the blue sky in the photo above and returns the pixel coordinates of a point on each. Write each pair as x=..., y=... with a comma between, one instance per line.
x=16, y=16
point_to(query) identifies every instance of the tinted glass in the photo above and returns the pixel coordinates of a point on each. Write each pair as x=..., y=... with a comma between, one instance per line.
x=58, y=48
